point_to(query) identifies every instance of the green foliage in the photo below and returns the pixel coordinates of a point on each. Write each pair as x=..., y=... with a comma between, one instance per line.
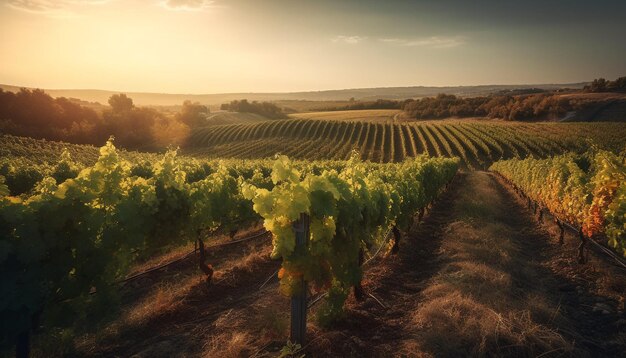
x=81, y=226
x=509, y=106
x=121, y=103
x=21, y=179
x=193, y=114
x=477, y=143
x=4, y=189
x=266, y=109
x=346, y=207
x=602, y=85
x=361, y=105
x=587, y=190
x=36, y=114
x=291, y=350
x=66, y=168
x=71, y=237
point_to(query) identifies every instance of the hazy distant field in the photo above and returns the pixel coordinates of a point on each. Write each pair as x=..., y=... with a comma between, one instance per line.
x=224, y=117
x=377, y=115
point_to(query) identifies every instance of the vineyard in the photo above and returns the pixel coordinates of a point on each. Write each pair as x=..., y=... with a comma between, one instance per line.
x=587, y=191
x=312, y=179
x=477, y=143
x=72, y=236
x=79, y=222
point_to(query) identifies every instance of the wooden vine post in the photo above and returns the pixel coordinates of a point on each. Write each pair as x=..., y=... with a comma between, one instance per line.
x=299, y=299
x=581, y=247
x=396, y=240
x=561, y=231
x=359, y=292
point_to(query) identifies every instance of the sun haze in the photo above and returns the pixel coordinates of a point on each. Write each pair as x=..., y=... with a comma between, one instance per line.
x=203, y=46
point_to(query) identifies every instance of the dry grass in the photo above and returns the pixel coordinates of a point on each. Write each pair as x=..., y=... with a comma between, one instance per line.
x=182, y=293
x=169, y=256
x=169, y=297
x=455, y=325
x=180, y=251
x=233, y=269
x=229, y=345
x=475, y=305
x=166, y=298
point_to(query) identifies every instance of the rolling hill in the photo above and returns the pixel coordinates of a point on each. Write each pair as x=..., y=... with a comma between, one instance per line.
x=478, y=143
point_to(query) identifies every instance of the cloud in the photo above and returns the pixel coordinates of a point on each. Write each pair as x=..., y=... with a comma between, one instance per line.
x=62, y=8
x=348, y=39
x=188, y=5
x=433, y=41
x=52, y=7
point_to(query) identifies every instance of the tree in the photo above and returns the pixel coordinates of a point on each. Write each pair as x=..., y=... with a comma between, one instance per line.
x=193, y=114
x=35, y=113
x=266, y=109
x=619, y=85
x=121, y=103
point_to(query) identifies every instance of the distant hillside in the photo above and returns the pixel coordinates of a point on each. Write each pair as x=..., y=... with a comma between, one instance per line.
x=363, y=94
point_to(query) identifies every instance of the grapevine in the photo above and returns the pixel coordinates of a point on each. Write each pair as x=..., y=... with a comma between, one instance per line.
x=347, y=209
x=587, y=190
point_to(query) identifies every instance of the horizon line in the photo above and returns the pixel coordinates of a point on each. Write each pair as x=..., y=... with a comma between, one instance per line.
x=291, y=92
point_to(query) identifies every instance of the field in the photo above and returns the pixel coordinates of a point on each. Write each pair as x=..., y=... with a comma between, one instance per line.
x=374, y=115
x=477, y=143
x=220, y=118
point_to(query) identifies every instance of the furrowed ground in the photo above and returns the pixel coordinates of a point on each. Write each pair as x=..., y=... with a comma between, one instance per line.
x=477, y=142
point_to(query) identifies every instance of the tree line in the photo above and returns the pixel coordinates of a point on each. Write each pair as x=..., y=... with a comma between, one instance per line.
x=265, y=109
x=518, y=104
x=603, y=85
x=377, y=104
x=542, y=106
x=506, y=106
x=535, y=106
x=34, y=113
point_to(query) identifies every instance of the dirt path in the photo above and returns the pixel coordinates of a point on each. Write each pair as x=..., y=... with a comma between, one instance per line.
x=481, y=277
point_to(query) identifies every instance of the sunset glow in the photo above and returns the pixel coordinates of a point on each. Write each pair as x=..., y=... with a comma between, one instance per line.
x=200, y=46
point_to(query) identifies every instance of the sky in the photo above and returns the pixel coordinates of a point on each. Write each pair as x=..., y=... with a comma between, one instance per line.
x=221, y=46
